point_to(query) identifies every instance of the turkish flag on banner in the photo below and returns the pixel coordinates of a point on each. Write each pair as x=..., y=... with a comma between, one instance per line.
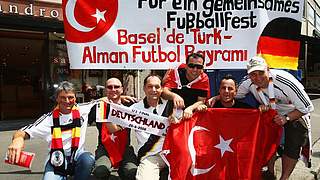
x=114, y=143
x=221, y=144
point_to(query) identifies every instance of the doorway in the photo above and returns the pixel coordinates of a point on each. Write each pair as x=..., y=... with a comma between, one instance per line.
x=22, y=86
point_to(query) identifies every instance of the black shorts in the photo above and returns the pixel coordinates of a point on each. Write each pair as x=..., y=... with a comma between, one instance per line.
x=296, y=136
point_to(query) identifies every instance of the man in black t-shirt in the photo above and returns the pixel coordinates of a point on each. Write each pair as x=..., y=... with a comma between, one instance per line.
x=228, y=91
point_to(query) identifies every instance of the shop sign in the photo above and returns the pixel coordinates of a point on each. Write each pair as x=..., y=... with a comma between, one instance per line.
x=36, y=9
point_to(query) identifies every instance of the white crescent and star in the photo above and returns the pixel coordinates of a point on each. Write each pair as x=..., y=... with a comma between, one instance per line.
x=224, y=145
x=196, y=171
x=99, y=15
x=113, y=137
x=74, y=23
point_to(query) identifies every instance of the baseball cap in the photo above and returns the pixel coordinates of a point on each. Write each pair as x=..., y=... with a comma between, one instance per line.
x=256, y=63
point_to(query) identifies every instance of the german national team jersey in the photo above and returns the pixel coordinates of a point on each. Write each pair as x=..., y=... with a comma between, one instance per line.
x=288, y=92
x=149, y=144
x=41, y=128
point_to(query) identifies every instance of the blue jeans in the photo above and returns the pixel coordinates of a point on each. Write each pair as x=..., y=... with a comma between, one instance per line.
x=83, y=168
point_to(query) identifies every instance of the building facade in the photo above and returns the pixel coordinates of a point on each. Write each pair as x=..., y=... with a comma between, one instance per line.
x=310, y=46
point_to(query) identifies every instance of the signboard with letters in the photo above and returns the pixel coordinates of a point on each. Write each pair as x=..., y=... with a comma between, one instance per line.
x=157, y=34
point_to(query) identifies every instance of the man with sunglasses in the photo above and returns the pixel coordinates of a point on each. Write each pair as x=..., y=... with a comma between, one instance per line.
x=187, y=85
x=106, y=150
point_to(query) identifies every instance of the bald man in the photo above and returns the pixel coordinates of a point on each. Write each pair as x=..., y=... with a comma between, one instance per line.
x=128, y=165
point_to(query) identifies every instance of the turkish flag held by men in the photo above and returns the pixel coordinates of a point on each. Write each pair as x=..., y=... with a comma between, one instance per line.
x=115, y=144
x=221, y=144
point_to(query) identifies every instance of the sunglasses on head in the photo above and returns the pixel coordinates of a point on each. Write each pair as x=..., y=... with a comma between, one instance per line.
x=198, y=66
x=113, y=87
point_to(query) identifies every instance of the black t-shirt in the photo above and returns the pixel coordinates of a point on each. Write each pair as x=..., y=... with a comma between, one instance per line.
x=189, y=95
x=237, y=104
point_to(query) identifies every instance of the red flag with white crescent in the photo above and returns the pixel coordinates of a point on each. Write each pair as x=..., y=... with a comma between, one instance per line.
x=221, y=144
x=114, y=143
x=86, y=21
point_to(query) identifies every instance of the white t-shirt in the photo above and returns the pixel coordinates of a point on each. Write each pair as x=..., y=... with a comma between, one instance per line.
x=41, y=128
x=142, y=137
x=289, y=93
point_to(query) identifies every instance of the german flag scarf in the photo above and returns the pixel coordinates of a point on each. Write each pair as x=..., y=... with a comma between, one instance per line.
x=57, y=156
x=272, y=99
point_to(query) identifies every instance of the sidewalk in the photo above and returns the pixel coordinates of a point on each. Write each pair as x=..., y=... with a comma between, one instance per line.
x=301, y=172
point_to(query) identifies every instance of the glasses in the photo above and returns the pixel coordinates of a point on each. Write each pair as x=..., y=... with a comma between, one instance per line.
x=113, y=87
x=69, y=98
x=198, y=66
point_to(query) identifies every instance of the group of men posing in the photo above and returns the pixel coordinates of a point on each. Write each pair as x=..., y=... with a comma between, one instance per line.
x=185, y=87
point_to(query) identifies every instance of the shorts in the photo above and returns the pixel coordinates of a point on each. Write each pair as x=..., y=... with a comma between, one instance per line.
x=296, y=136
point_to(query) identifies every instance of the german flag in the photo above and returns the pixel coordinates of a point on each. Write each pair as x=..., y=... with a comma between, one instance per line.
x=279, y=43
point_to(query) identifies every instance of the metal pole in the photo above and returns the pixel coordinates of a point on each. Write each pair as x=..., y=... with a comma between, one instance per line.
x=305, y=62
x=306, y=44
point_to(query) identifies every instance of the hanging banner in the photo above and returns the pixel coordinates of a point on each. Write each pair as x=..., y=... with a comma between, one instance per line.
x=158, y=34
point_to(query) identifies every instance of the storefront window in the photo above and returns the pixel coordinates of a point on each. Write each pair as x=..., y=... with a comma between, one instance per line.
x=318, y=22
x=311, y=14
x=60, y=71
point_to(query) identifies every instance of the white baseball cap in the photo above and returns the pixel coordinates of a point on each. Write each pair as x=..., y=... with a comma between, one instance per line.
x=256, y=63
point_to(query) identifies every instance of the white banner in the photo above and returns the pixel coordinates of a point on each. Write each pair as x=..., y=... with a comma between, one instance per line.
x=157, y=34
x=136, y=119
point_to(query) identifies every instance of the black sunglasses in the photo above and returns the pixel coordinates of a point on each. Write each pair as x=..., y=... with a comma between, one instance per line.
x=113, y=87
x=198, y=66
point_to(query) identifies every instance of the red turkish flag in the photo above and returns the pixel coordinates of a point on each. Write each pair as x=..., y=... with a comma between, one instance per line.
x=115, y=144
x=221, y=144
x=86, y=21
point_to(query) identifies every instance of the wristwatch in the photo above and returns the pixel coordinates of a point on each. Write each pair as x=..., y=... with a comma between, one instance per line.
x=287, y=117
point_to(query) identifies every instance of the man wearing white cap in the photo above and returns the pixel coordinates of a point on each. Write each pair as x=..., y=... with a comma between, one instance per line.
x=283, y=92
